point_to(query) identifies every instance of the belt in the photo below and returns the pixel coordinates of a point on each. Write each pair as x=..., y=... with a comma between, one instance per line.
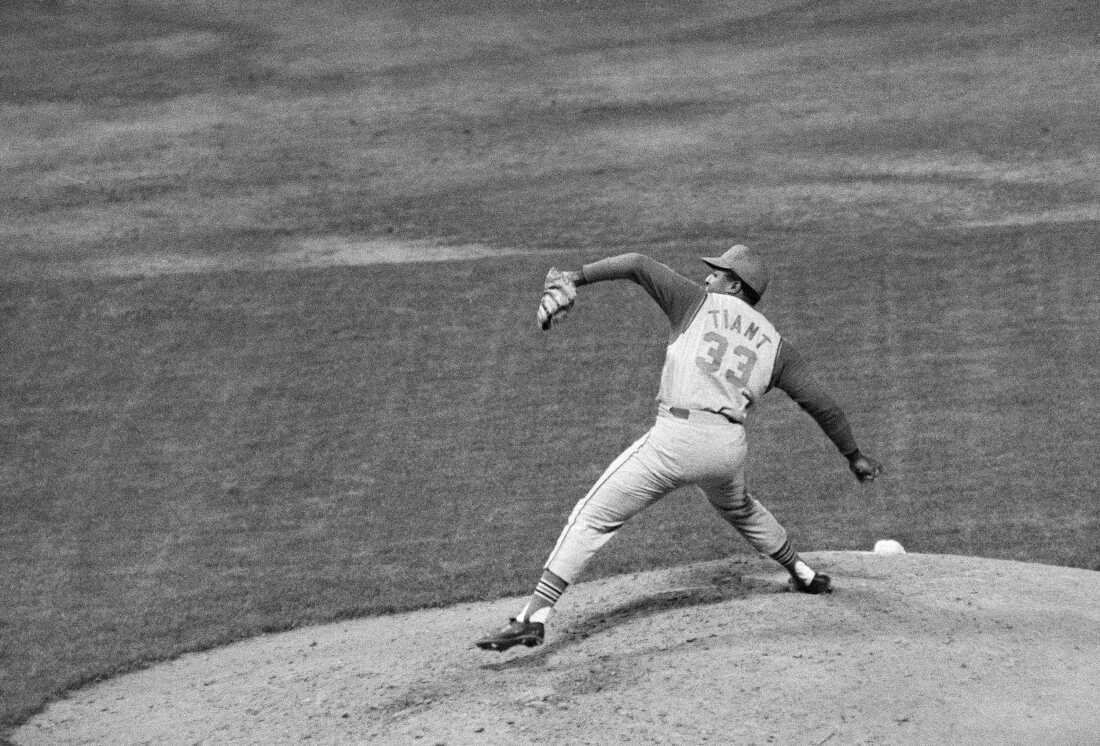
x=700, y=414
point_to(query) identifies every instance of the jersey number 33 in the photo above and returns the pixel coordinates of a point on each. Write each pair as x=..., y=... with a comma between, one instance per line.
x=741, y=364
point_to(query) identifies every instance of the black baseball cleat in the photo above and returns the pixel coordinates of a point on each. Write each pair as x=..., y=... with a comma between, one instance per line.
x=821, y=583
x=514, y=633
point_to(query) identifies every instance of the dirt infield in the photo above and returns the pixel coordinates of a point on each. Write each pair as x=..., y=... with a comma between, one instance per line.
x=910, y=649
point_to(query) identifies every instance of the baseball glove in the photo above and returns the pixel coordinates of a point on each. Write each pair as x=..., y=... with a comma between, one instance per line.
x=558, y=295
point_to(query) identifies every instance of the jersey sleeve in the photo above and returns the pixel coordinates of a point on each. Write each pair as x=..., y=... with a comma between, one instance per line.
x=677, y=296
x=793, y=375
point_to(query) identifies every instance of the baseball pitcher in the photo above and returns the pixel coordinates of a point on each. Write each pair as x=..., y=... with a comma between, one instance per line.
x=723, y=355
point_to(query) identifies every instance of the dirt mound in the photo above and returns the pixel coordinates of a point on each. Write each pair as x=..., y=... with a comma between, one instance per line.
x=909, y=649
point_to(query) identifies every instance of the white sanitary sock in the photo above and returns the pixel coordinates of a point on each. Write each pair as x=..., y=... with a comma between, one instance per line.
x=542, y=615
x=804, y=572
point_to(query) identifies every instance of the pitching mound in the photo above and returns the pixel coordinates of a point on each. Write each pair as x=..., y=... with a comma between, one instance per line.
x=910, y=649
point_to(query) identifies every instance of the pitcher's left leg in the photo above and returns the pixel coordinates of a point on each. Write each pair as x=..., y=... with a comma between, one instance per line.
x=764, y=532
x=745, y=513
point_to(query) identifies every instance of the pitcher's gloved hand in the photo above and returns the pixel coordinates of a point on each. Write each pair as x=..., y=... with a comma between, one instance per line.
x=558, y=296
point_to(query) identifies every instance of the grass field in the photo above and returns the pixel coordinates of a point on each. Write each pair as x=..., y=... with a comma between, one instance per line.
x=199, y=445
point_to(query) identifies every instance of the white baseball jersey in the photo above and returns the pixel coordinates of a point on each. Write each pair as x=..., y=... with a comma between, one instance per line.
x=722, y=361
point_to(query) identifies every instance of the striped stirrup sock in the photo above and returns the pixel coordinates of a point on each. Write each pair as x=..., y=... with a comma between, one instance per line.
x=789, y=558
x=549, y=591
x=786, y=555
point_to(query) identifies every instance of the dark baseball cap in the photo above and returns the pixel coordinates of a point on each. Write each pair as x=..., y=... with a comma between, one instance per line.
x=745, y=263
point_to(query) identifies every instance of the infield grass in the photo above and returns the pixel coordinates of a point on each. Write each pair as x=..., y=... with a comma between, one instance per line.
x=198, y=448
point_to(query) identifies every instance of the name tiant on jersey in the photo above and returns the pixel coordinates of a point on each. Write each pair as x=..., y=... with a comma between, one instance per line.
x=721, y=319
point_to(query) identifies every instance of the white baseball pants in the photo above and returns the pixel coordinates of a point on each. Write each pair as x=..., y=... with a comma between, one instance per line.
x=705, y=450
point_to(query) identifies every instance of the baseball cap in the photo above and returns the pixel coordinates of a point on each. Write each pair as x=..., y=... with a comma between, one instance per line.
x=745, y=263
